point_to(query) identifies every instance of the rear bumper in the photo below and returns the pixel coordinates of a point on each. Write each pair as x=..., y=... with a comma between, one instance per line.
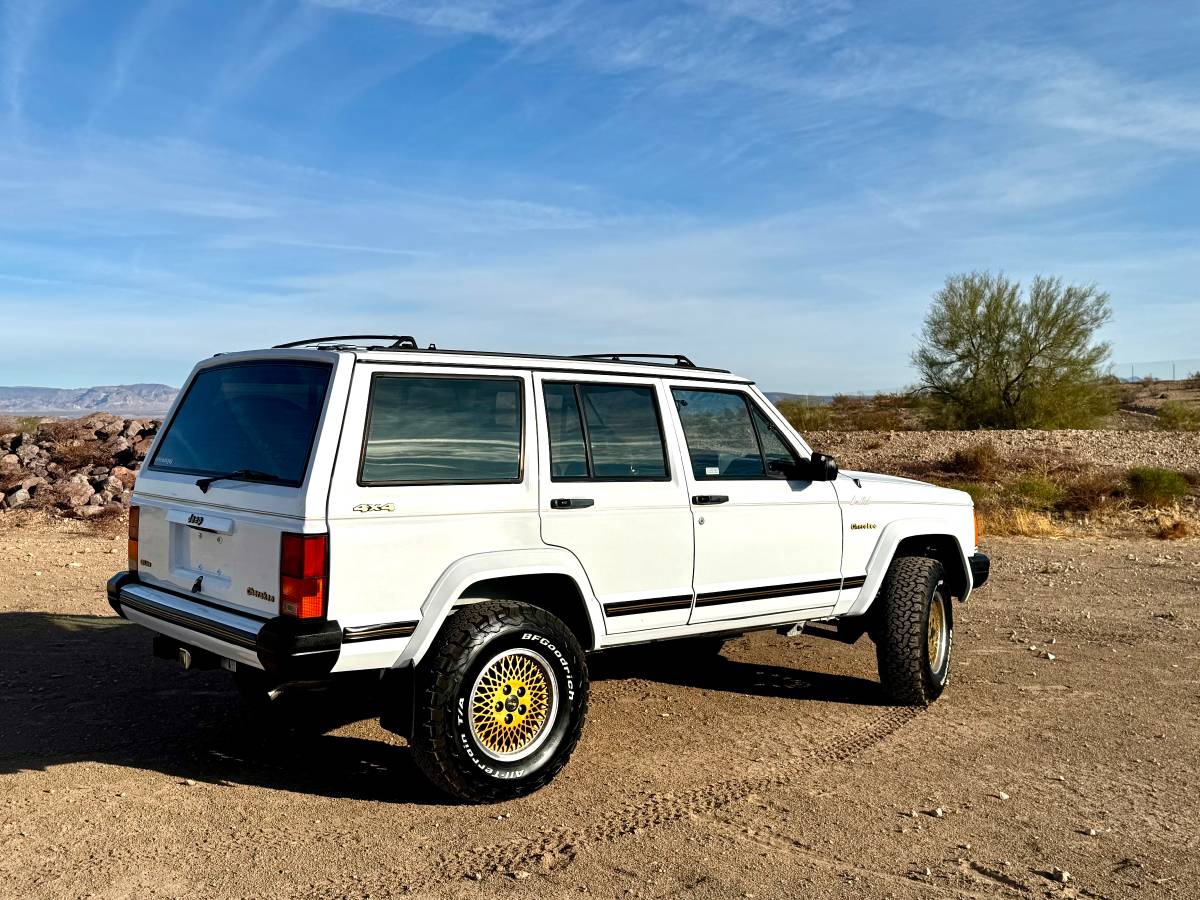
x=981, y=567
x=290, y=649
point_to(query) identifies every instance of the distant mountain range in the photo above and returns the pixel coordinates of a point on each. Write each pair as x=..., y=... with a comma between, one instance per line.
x=815, y=399
x=123, y=399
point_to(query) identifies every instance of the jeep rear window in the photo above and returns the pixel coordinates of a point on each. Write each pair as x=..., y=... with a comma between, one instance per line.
x=261, y=416
x=443, y=430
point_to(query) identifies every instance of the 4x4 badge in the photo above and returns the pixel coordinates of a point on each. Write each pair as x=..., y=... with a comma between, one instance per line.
x=375, y=507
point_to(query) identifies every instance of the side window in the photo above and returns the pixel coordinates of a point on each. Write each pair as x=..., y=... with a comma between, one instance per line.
x=720, y=434
x=775, y=448
x=442, y=430
x=568, y=456
x=605, y=431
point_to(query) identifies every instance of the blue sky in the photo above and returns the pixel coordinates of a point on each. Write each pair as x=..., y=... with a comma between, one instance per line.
x=770, y=186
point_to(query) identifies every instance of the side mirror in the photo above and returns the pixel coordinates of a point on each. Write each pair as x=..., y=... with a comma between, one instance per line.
x=820, y=468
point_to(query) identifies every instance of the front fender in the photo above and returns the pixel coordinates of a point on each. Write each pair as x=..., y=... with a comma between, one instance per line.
x=460, y=575
x=890, y=538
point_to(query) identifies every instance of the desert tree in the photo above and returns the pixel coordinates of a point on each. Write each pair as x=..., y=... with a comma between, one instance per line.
x=992, y=356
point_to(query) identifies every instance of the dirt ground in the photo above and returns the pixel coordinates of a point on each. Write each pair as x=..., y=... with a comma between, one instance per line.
x=777, y=772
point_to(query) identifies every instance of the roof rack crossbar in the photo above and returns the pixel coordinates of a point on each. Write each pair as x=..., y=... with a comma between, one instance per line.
x=679, y=358
x=399, y=341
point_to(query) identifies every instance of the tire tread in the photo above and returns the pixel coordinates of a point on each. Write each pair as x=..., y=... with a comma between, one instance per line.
x=907, y=587
x=444, y=670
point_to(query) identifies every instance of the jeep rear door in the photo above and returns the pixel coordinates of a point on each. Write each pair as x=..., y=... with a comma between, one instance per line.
x=765, y=546
x=612, y=494
x=217, y=540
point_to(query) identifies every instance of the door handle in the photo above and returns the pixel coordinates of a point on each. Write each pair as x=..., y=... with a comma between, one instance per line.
x=709, y=499
x=571, y=503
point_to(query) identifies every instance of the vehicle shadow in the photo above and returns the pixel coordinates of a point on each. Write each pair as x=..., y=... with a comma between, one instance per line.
x=85, y=688
x=671, y=665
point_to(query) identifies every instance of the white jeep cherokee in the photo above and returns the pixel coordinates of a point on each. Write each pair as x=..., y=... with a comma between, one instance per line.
x=471, y=525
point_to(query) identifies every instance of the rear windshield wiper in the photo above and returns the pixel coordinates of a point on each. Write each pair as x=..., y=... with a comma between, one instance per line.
x=240, y=475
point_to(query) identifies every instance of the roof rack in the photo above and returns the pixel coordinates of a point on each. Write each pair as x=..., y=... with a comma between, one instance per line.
x=399, y=341
x=680, y=359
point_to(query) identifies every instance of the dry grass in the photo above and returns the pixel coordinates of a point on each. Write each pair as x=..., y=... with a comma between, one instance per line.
x=1172, y=530
x=1016, y=522
x=18, y=424
x=848, y=412
x=980, y=462
x=1045, y=494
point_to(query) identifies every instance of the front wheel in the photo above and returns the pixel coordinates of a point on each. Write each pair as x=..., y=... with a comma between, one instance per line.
x=915, y=634
x=501, y=702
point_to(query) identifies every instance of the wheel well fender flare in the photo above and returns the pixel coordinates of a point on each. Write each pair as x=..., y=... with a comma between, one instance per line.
x=894, y=539
x=459, y=576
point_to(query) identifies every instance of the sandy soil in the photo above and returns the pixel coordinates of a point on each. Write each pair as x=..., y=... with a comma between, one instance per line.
x=776, y=773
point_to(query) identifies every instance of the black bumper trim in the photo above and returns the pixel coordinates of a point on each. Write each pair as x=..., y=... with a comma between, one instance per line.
x=227, y=633
x=290, y=649
x=378, y=632
x=299, y=649
x=981, y=568
x=113, y=589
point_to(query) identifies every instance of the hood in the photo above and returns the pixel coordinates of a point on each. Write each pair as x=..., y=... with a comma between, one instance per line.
x=893, y=488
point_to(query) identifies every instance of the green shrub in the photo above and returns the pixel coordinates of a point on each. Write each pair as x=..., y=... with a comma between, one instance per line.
x=1038, y=492
x=1176, y=416
x=1157, y=487
x=805, y=416
x=982, y=494
x=993, y=355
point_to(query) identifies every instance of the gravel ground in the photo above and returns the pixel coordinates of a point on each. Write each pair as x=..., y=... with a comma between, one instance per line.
x=776, y=772
x=887, y=451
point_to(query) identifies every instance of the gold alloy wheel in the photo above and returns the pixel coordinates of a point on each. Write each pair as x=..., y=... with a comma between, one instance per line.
x=935, y=633
x=513, y=704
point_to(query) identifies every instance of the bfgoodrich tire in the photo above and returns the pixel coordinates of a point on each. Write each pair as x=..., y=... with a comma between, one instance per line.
x=501, y=701
x=915, y=632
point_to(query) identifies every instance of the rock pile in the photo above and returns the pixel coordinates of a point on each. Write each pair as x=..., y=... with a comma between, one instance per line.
x=81, y=467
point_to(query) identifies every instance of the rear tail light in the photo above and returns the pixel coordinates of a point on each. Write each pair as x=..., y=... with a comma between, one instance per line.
x=303, y=578
x=134, y=517
x=975, y=516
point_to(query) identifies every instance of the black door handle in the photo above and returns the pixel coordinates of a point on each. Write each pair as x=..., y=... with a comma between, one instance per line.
x=571, y=503
x=709, y=499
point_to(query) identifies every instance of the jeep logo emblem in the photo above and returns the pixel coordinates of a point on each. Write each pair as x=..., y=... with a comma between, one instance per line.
x=194, y=519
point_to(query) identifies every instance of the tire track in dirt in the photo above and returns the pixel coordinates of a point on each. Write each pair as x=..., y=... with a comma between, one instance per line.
x=559, y=847
x=983, y=889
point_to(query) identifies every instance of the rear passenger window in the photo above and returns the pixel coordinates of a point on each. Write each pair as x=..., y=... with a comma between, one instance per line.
x=568, y=456
x=442, y=430
x=721, y=438
x=607, y=432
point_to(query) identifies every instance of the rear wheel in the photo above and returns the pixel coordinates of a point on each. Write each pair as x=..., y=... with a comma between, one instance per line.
x=915, y=633
x=501, y=702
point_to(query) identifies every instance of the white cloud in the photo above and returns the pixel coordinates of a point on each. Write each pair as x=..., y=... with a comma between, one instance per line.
x=23, y=20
